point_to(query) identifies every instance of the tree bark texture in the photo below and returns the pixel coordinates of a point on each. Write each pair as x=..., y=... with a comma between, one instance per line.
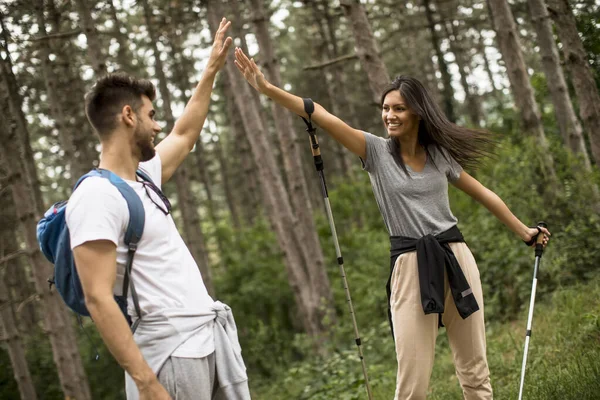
x=569, y=125
x=246, y=182
x=481, y=47
x=93, y=47
x=297, y=188
x=191, y=219
x=459, y=48
x=577, y=64
x=226, y=182
x=56, y=319
x=443, y=67
x=18, y=287
x=76, y=155
x=366, y=47
x=524, y=97
x=335, y=80
x=12, y=338
x=15, y=102
x=123, y=55
x=277, y=204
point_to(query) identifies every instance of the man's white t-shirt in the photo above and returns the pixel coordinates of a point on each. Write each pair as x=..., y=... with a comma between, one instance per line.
x=164, y=272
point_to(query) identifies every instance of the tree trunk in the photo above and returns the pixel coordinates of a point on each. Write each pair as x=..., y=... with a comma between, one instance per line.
x=55, y=316
x=225, y=180
x=577, y=63
x=19, y=290
x=336, y=82
x=191, y=219
x=15, y=103
x=366, y=47
x=124, y=56
x=246, y=181
x=207, y=183
x=12, y=337
x=79, y=163
x=277, y=205
x=563, y=108
x=496, y=92
x=297, y=187
x=93, y=46
x=462, y=58
x=446, y=78
x=510, y=48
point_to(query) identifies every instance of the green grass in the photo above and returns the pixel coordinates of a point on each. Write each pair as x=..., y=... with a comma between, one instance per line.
x=563, y=362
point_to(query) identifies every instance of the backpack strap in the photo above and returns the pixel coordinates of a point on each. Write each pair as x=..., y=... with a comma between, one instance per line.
x=133, y=234
x=142, y=174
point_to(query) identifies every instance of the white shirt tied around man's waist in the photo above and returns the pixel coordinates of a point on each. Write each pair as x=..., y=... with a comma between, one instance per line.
x=160, y=333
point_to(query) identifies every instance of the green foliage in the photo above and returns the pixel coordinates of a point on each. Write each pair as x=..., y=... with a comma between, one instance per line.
x=8, y=385
x=506, y=269
x=255, y=286
x=587, y=18
x=563, y=360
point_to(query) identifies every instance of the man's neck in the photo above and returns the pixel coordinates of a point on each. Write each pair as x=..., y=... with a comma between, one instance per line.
x=117, y=158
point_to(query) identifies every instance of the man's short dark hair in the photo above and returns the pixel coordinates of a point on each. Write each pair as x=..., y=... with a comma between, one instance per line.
x=110, y=94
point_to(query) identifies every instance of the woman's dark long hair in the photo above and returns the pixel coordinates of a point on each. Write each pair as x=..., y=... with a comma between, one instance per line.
x=466, y=146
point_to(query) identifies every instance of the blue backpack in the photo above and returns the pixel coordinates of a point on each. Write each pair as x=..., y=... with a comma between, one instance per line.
x=53, y=238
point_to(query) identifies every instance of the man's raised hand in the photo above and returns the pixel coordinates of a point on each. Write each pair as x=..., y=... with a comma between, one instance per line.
x=218, y=54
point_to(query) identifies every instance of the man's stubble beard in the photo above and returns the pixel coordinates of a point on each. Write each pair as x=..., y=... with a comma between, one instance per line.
x=145, y=146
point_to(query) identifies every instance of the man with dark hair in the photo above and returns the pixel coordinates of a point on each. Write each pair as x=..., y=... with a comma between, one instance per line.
x=185, y=344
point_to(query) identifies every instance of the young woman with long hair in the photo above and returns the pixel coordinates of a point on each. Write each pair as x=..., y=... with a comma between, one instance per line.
x=434, y=279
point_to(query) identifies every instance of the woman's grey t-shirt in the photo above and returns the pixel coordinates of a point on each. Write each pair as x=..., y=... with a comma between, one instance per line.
x=415, y=205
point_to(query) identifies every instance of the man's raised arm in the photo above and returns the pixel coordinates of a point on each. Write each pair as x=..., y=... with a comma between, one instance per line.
x=177, y=145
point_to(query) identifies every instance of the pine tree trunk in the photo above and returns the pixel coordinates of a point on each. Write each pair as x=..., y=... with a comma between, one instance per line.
x=563, y=108
x=443, y=67
x=80, y=163
x=296, y=182
x=523, y=95
x=461, y=58
x=336, y=82
x=366, y=47
x=191, y=219
x=225, y=180
x=246, y=182
x=124, y=56
x=19, y=290
x=94, y=47
x=56, y=319
x=11, y=336
x=15, y=103
x=277, y=205
x=577, y=63
x=481, y=48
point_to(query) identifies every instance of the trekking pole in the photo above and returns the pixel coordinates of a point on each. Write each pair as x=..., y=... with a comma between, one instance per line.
x=539, y=250
x=309, y=108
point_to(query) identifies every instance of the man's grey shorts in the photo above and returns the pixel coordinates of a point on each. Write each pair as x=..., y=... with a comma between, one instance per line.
x=189, y=378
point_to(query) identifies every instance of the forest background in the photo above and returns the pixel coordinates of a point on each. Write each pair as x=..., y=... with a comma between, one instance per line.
x=527, y=70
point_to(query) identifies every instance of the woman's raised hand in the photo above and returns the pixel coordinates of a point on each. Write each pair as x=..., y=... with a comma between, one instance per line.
x=250, y=70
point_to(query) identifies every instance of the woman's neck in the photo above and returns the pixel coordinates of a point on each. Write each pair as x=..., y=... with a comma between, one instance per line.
x=410, y=146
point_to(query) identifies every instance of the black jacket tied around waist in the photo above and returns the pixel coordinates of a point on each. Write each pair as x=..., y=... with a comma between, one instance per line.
x=433, y=255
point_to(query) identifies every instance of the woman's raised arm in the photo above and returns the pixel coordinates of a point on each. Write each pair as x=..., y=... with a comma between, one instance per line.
x=350, y=138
